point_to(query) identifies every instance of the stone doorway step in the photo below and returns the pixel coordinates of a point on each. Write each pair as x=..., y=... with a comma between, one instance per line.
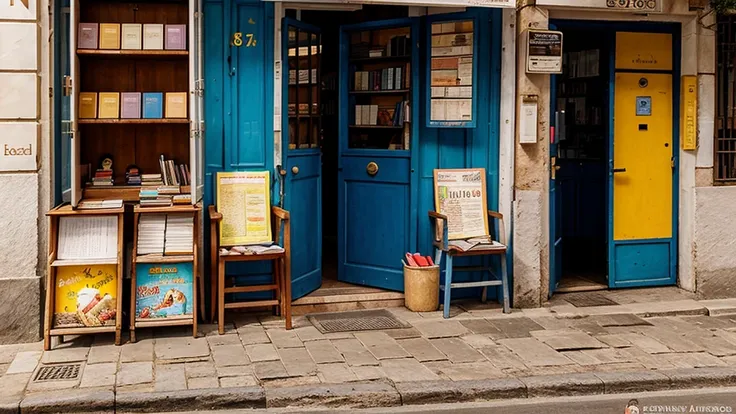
x=336, y=296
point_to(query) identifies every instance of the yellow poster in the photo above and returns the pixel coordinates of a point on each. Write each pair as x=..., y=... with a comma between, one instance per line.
x=243, y=199
x=461, y=196
x=85, y=296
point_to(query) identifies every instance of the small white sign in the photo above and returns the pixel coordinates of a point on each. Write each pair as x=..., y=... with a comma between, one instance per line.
x=528, y=123
x=18, y=9
x=544, y=51
x=18, y=146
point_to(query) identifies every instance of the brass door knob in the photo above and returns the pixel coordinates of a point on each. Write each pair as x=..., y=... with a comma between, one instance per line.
x=295, y=170
x=371, y=168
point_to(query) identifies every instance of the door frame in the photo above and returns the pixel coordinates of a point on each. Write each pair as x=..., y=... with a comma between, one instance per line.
x=611, y=27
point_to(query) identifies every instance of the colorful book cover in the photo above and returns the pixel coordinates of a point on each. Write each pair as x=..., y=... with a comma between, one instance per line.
x=131, y=105
x=85, y=296
x=176, y=37
x=153, y=105
x=176, y=105
x=132, y=34
x=164, y=290
x=87, y=105
x=110, y=36
x=109, y=107
x=153, y=36
x=87, y=36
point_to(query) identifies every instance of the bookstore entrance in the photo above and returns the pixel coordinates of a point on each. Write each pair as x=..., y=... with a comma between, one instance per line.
x=613, y=158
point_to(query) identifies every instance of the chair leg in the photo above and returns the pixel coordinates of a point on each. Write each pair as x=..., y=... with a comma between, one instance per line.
x=221, y=297
x=214, y=275
x=505, y=285
x=276, y=274
x=286, y=277
x=448, y=282
x=437, y=256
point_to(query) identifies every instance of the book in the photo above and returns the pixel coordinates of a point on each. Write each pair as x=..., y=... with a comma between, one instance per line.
x=365, y=114
x=153, y=105
x=151, y=234
x=373, y=115
x=475, y=243
x=176, y=105
x=131, y=105
x=99, y=204
x=110, y=36
x=358, y=115
x=87, y=35
x=176, y=37
x=153, y=36
x=87, y=105
x=179, y=238
x=132, y=36
x=109, y=107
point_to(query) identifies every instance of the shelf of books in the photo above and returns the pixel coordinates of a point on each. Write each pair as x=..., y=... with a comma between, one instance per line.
x=136, y=111
x=304, y=58
x=85, y=272
x=379, y=88
x=164, y=275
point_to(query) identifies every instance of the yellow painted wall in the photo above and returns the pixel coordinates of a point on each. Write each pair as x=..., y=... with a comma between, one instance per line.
x=648, y=51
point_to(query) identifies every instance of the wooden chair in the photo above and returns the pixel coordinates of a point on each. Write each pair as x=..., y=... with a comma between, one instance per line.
x=442, y=245
x=281, y=265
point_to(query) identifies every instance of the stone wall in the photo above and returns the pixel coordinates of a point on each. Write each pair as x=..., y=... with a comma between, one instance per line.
x=715, y=242
x=21, y=146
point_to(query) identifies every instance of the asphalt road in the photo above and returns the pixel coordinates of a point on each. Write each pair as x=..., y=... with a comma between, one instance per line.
x=710, y=400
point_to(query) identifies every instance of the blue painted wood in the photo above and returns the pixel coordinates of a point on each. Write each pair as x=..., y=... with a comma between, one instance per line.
x=555, y=198
x=303, y=191
x=62, y=104
x=449, y=17
x=466, y=147
x=376, y=214
x=642, y=262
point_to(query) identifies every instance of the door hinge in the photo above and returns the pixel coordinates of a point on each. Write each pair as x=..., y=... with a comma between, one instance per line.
x=67, y=88
x=672, y=163
x=199, y=87
x=66, y=127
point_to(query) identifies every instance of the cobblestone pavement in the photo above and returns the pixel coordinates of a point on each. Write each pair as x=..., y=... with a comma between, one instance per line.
x=477, y=343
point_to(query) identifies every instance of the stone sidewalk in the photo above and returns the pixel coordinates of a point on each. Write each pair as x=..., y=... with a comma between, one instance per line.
x=479, y=353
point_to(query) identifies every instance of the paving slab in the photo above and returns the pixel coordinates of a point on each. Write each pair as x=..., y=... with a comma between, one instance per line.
x=614, y=340
x=553, y=323
x=24, y=362
x=253, y=334
x=422, y=350
x=587, y=326
x=478, y=341
x=632, y=382
x=441, y=329
x=367, y=373
x=716, y=345
x=202, y=383
x=65, y=355
x=269, y=370
x=597, y=357
x=297, y=362
x=234, y=371
x=469, y=371
x=181, y=348
x=237, y=382
x=343, y=396
x=99, y=375
x=262, y=352
x=290, y=382
x=650, y=361
x=229, y=355
x=133, y=373
x=516, y=327
x=191, y=400
x=335, y=373
x=481, y=326
x=104, y=353
x=718, y=307
x=619, y=320
x=284, y=339
x=200, y=369
x=534, y=352
x=170, y=377
x=309, y=333
x=563, y=385
x=722, y=333
x=502, y=357
x=668, y=308
x=438, y=392
x=381, y=345
x=711, y=322
x=674, y=341
x=354, y=352
x=457, y=350
x=219, y=340
x=141, y=351
x=694, y=360
x=407, y=369
x=567, y=340
x=323, y=352
x=646, y=343
x=403, y=333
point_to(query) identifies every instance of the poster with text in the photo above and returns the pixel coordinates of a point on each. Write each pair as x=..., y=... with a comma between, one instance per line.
x=164, y=290
x=243, y=199
x=461, y=196
x=85, y=296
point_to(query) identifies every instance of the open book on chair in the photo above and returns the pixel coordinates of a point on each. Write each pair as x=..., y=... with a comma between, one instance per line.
x=475, y=243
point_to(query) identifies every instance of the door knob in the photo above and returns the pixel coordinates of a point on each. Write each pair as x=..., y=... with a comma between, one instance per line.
x=372, y=168
x=295, y=170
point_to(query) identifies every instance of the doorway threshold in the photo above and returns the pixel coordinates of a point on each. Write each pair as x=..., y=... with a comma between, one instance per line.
x=579, y=283
x=334, y=296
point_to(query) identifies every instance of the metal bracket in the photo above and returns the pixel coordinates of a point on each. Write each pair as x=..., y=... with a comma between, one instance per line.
x=67, y=88
x=199, y=87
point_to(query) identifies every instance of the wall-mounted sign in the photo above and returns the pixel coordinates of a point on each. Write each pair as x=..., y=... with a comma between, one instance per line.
x=18, y=146
x=641, y=6
x=544, y=51
x=643, y=106
x=427, y=3
x=689, y=118
x=18, y=9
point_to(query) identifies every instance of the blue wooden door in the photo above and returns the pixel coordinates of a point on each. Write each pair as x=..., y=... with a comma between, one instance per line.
x=555, y=191
x=376, y=210
x=302, y=129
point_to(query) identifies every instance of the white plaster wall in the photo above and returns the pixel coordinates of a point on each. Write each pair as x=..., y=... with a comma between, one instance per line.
x=715, y=242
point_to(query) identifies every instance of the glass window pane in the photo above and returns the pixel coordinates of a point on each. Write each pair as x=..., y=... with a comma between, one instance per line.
x=451, y=72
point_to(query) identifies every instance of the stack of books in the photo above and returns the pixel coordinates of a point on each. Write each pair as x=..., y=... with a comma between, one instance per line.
x=174, y=175
x=133, y=176
x=179, y=234
x=150, y=197
x=181, y=199
x=151, y=180
x=151, y=231
x=102, y=178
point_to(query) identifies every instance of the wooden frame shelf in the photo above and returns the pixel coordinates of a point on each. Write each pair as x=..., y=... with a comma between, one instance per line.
x=157, y=258
x=118, y=121
x=382, y=92
x=129, y=53
x=127, y=193
x=396, y=127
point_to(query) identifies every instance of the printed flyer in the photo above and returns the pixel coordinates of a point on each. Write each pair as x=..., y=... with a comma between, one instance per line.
x=243, y=198
x=85, y=296
x=461, y=196
x=164, y=290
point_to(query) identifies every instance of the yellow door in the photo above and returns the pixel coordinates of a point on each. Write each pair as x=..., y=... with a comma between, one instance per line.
x=642, y=156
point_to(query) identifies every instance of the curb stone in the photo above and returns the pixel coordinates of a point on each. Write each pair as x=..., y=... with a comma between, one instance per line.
x=563, y=385
x=352, y=395
x=630, y=382
x=191, y=400
x=701, y=377
x=69, y=401
x=434, y=392
x=10, y=406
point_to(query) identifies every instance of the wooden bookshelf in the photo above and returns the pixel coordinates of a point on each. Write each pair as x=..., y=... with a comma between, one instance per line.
x=380, y=59
x=166, y=54
x=133, y=121
x=382, y=92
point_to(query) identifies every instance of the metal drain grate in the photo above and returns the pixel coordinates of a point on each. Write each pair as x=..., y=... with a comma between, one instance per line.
x=58, y=372
x=371, y=320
